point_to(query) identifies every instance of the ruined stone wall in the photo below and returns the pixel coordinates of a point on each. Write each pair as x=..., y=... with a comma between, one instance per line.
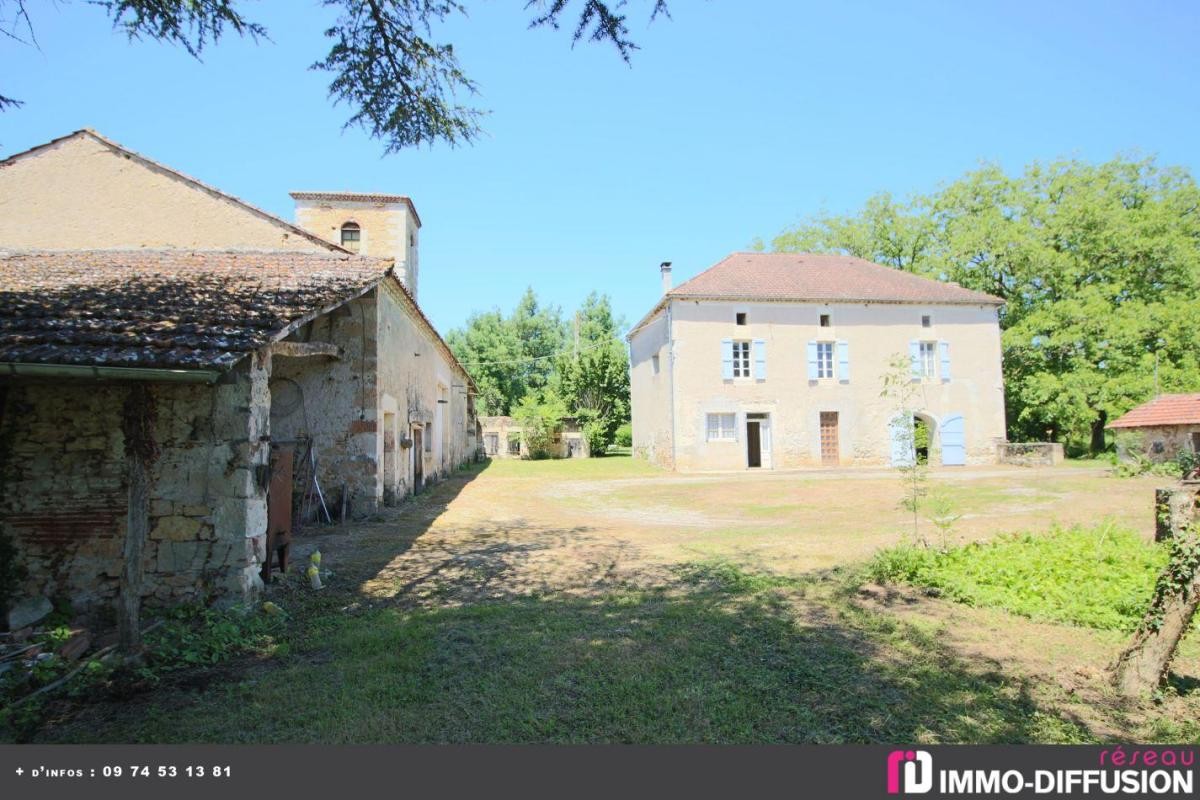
x=334, y=402
x=1158, y=443
x=63, y=502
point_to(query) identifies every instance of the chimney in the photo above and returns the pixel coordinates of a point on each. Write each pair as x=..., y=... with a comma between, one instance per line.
x=665, y=269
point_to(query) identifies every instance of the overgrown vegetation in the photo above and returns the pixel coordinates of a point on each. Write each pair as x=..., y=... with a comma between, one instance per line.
x=1098, y=577
x=188, y=637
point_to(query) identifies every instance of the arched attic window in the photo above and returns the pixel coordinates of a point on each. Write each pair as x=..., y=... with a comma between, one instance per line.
x=351, y=236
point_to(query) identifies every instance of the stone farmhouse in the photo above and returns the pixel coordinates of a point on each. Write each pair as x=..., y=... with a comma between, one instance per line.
x=1160, y=429
x=773, y=360
x=156, y=330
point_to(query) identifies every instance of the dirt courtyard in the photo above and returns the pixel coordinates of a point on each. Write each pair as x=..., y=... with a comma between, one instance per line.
x=578, y=526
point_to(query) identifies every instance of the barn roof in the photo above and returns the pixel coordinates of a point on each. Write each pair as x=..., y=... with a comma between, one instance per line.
x=1167, y=409
x=167, y=309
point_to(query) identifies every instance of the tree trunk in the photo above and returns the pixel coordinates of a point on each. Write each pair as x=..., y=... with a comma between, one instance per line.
x=1143, y=665
x=1098, y=443
x=140, y=451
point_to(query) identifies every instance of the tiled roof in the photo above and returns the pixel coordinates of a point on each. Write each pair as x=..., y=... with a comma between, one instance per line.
x=172, y=309
x=184, y=178
x=821, y=278
x=359, y=197
x=1167, y=409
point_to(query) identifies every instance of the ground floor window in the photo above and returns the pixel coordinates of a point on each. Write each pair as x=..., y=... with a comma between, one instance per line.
x=722, y=427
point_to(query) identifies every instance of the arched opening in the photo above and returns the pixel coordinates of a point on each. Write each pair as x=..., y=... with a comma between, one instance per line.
x=351, y=236
x=923, y=431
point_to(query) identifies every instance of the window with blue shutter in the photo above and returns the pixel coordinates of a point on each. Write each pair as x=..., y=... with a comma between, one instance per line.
x=944, y=352
x=812, y=361
x=914, y=354
x=760, y=360
x=843, y=359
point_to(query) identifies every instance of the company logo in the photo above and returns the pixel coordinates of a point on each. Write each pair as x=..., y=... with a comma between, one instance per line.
x=917, y=772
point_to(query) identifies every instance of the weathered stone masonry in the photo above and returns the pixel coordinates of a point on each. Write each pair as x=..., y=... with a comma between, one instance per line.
x=64, y=490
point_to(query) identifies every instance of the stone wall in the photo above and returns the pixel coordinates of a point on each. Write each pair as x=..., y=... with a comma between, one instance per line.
x=333, y=402
x=1031, y=454
x=63, y=503
x=569, y=444
x=1160, y=443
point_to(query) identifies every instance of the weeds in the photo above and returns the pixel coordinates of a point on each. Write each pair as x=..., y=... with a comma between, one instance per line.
x=1099, y=577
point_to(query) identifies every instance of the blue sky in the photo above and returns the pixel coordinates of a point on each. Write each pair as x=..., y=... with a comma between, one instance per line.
x=736, y=120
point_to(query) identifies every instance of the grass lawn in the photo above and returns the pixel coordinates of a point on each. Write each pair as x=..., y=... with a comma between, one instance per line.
x=605, y=601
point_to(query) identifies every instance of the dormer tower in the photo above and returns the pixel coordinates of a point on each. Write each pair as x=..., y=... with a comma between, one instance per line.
x=380, y=225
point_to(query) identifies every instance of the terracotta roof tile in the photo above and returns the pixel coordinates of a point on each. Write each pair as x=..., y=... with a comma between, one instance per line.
x=165, y=308
x=821, y=278
x=1167, y=409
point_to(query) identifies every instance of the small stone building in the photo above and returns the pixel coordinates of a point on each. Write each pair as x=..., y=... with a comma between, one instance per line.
x=249, y=332
x=503, y=437
x=1161, y=428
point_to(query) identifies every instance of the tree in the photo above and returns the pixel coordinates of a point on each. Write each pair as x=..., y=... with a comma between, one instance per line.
x=513, y=357
x=401, y=85
x=1098, y=264
x=593, y=379
x=899, y=391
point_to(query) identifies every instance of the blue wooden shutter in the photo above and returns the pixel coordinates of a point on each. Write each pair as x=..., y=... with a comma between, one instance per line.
x=812, y=361
x=727, y=359
x=954, y=441
x=914, y=354
x=843, y=354
x=944, y=353
x=901, y=440
x=760, y=359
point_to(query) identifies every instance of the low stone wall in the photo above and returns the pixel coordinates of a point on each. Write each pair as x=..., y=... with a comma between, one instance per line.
x=63, y=499
x=1031, y=454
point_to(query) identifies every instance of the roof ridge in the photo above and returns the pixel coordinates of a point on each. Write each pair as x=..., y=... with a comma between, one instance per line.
x=183, y=177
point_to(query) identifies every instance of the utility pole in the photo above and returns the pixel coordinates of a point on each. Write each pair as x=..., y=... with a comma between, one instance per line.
x=576, y=351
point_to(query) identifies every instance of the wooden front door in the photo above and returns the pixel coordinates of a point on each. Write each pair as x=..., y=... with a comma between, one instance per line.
x=418, y=449
x=753, y=444
x=829, y=439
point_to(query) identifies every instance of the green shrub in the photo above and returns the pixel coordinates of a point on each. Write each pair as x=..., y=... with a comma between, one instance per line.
x=624, y=436
x=196, y=636
x=1099, y=577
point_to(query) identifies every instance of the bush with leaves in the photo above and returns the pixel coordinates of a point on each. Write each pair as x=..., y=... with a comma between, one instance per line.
x=541, y=425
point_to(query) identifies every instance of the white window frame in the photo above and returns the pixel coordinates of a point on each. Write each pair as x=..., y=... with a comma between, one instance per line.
x=743, y=362
x=826, y=359
x=928, y=352
x=720, y=427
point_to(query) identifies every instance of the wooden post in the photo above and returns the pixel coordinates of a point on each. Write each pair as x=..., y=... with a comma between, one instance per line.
x=137, y=424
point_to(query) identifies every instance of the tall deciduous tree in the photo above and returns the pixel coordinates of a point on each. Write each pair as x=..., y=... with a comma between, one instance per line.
x=1099, y=266
x=402, y=86
x=593, y=379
